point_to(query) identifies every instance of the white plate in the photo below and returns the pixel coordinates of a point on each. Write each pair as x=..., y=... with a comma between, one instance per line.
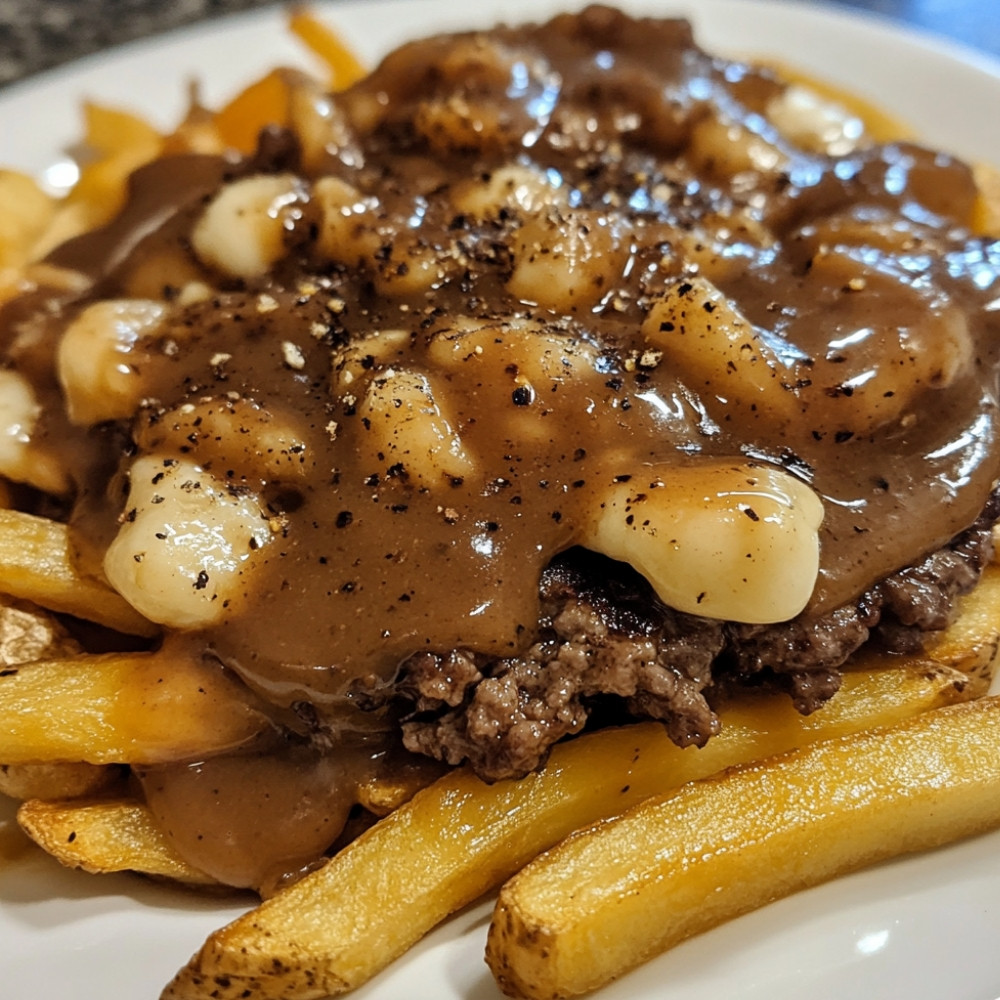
x=924, y=928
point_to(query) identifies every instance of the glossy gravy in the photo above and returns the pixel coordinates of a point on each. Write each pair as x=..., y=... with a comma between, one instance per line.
x=508, y=280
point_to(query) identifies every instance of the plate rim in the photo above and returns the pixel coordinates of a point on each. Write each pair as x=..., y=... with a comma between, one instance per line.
x=59, y=77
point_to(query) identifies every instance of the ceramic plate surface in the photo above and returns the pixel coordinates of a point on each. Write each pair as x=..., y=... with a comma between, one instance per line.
x=923, y=928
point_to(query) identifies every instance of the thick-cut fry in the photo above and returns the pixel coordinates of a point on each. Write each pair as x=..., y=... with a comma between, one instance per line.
x=269, y=100
x=66, y=780
x=28, y=633
x=263, y=103
x=36, y=564
x=987, y=213
x=383, y=793
x=115, y=143
x=110, y=132
x=612, y=897
x=26, y=211
x=345, y=67
x=339, y=926
x=972, y=641
x=119, y=142
x=139, y=708
x=104, y=836
x=693, y=843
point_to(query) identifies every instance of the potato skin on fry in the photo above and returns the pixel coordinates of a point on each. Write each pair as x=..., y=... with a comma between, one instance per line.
x=336, y=928
x=613, y=896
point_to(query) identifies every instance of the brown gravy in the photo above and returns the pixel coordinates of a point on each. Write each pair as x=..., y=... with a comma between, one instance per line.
x=869, y=307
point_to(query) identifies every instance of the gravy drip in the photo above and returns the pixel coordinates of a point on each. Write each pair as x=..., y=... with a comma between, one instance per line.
x=475, y=238
x=252, y=820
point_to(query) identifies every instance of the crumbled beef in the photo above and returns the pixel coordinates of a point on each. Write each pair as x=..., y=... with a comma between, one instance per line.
x=604, y=634
x=504, y=715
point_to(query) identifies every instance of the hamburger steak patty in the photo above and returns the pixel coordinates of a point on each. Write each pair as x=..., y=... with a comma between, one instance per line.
x=604, y=632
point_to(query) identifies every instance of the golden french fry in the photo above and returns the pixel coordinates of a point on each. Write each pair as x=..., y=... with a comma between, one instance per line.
x=36, y=564
x=64, y=780
x=384, y=793
x=112, y=132
x=28, y=633
x=136, y=708
x=119, y=141
x=104, y=836
x=987, y=212
x=26, y=211
x=611, y=897
x=263, y=103
x=340, y=925
x=972, y=641
x=345, y=68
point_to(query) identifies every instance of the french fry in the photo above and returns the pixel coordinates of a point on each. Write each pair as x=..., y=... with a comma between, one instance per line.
x=345, y=68
x=36, y=564
x=611, y=897
x=987, y=212
x=115, y=143
x=65, y=780
x=972, y=641
x=103, y=836
x=28, y=633
x=26, y=211
x=68, y=723
x=340, y=925
x=119, y=142
x=264, y=102
x=384, y=793
x=121, y=709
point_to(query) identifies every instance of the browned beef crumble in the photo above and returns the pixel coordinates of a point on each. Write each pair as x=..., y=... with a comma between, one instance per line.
x=604, y=634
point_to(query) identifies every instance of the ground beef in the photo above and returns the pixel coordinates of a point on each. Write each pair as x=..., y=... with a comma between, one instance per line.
x=605, y=636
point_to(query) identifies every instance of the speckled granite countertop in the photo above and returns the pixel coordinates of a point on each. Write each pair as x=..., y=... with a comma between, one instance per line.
x=37, y=34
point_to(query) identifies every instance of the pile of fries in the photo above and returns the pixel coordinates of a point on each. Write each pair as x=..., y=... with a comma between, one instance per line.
x=620, y=847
